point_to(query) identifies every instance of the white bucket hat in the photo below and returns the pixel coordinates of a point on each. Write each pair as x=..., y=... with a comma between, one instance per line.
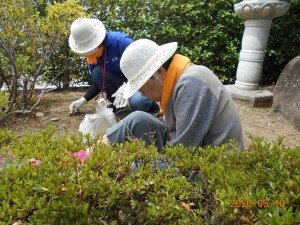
x=86, y=35
x=140, y=60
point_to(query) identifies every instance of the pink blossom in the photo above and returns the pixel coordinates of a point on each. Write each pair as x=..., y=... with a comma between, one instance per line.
x=35, y=162
x=82, y=155
x=1, y=158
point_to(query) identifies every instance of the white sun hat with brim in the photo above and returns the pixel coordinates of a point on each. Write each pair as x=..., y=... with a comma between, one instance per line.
x=140, y=60
x=86, y=35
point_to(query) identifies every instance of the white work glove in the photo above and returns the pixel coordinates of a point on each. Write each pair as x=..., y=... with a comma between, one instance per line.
x=74, y=107
x=119, y=101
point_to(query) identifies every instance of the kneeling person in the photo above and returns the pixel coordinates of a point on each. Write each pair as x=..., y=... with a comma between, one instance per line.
x=198, y=110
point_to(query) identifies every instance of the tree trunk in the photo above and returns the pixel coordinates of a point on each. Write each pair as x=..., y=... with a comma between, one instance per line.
x=25, y=93
x=66, y=81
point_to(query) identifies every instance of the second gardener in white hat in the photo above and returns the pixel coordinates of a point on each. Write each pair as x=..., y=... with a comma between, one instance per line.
x=103, y=51
x=197, y=108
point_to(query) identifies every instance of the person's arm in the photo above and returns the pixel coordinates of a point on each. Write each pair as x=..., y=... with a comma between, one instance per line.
x=91, y=67
x=123, y=41
x=194, y=109
x=92, y=92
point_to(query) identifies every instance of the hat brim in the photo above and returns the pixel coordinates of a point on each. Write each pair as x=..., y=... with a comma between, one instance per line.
x=93, y=43
x=163, y=54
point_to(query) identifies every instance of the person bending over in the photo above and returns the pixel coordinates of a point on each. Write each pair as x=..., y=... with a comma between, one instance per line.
x=103, y=51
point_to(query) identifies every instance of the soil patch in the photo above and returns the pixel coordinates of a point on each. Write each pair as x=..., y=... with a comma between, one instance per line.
x=258, y=121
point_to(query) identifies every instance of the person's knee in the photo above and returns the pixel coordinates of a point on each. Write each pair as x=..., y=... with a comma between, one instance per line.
x=134, y=104
x=143, y=122
x=135, y=101
x=140, y=102
x=140, y=117
x=140, y=125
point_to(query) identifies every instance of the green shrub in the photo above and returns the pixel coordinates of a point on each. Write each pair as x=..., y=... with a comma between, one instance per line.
x=209, y=32
x=3, y=103
x=41, y=182
x=284, y=43
x=28, y=41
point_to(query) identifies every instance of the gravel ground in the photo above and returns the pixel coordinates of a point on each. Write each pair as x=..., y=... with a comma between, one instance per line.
x=258, y=121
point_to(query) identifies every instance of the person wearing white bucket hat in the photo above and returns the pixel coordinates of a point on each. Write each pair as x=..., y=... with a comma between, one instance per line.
x=104, y=50
x=197, y=108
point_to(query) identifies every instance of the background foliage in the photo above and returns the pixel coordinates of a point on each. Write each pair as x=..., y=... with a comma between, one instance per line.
x=197, y=188
x=64, y=66
x=209, y=32
x=28, y=40
x=284, y=43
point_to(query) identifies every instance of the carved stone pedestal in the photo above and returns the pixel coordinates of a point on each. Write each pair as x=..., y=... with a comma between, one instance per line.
x=258, y=98
x=258, y=15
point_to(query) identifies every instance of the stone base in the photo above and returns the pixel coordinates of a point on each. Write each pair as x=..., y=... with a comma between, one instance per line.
x=258, y=98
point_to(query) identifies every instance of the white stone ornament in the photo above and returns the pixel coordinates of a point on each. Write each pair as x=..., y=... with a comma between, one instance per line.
x=258, y=15
x=268, y=9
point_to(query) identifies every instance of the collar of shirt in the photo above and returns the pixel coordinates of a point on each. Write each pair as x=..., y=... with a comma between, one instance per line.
x=177, y=66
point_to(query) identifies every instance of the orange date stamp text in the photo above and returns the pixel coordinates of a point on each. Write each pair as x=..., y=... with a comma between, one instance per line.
x=261, y=203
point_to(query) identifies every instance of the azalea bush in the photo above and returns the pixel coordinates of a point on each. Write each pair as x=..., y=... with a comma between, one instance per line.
x=48, y=180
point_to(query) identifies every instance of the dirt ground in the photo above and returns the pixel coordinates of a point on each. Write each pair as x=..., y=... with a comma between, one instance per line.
x=258, y=121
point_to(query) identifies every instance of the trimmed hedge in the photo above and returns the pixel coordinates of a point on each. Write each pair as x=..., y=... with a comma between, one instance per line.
x=41, y=182
x=209, y=32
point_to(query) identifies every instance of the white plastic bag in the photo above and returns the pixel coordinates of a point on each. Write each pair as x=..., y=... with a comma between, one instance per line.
x=97, y=124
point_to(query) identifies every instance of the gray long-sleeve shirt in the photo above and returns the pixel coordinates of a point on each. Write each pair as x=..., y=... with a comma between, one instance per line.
x=201, y=112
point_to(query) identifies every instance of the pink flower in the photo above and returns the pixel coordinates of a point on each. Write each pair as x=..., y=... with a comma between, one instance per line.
x=1, y=158
x=35, y=162
x=82, y=155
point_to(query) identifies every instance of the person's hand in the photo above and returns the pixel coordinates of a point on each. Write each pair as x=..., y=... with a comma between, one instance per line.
x=74, y=107
x=119, y=101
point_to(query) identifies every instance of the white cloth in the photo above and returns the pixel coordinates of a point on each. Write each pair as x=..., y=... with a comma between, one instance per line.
x=119, y=101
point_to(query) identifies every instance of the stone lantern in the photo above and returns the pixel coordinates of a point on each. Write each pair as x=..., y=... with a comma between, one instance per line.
x=258, y=15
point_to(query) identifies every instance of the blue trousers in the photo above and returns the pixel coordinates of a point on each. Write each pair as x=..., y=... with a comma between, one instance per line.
x=139, y=125
x=113, y=81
